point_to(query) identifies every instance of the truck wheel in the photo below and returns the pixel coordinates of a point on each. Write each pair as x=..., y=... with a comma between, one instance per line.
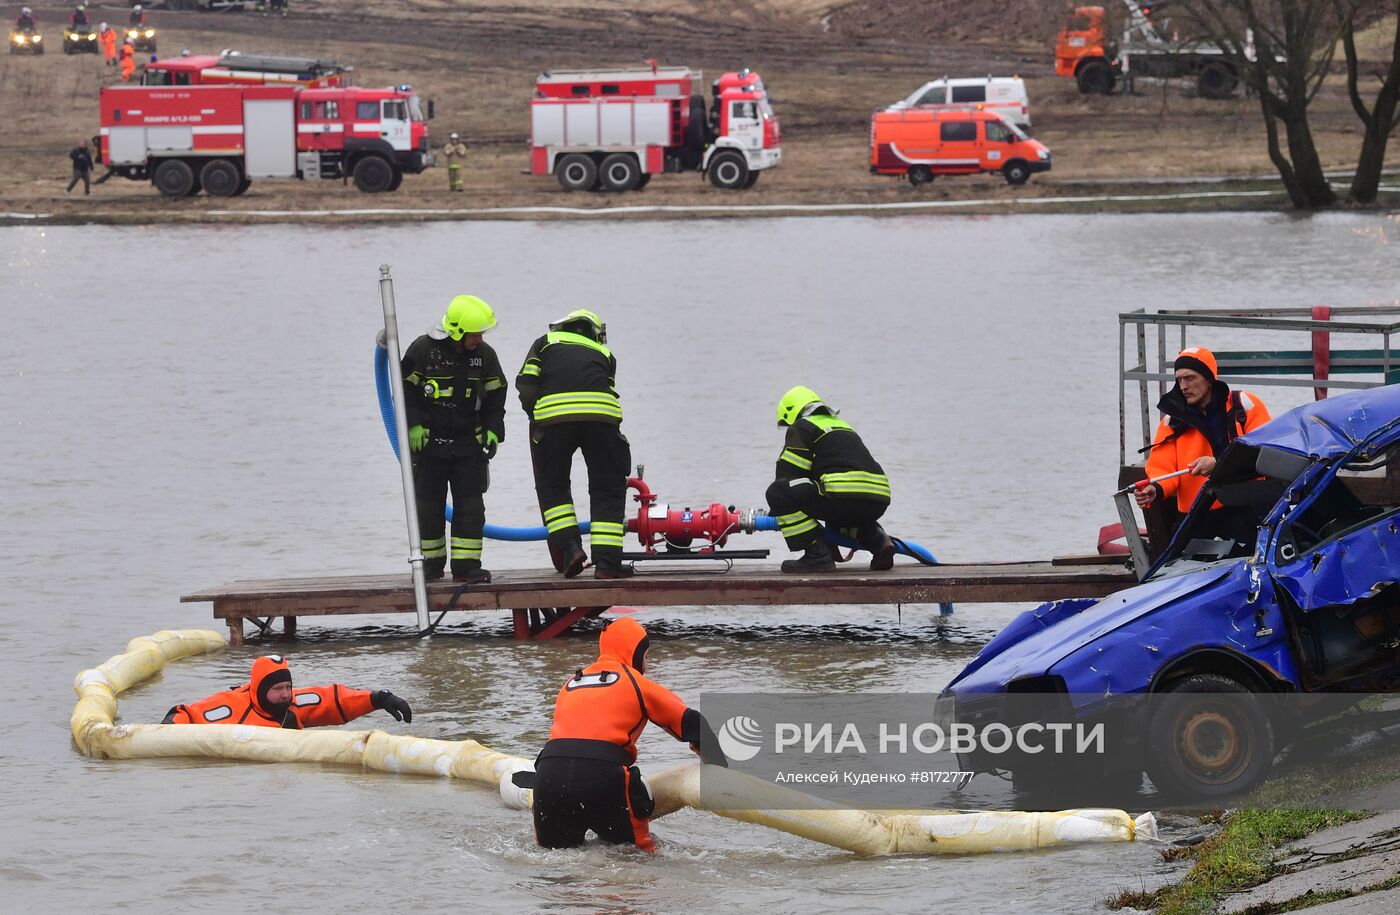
x=220, y=178
x=620, y=172
x=1216, y=81
x=752, y=179
x=729, y=171
x=920, y=174
x=243, y=187
x=1016, y=172
x=373, y=175
x=1208, y=737
x=1096, y=78
x=174, y=178
x=643, y=181
x=576, y=172
x=398, y=179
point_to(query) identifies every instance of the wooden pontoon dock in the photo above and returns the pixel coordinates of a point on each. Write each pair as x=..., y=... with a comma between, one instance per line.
x=545, y=604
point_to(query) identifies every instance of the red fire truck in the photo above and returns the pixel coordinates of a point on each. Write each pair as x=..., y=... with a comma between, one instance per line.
x=614, y=129
x=233, y=67
x=219, y=138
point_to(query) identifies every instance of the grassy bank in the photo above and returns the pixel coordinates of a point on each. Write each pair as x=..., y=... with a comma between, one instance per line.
x=1240, y=857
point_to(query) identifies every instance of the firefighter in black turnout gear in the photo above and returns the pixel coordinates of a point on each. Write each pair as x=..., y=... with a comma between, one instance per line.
x=825, y=472
x=568, y=387
x=455, y=401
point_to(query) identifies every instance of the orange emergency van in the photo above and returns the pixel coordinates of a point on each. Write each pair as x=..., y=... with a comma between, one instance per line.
x=922, y=142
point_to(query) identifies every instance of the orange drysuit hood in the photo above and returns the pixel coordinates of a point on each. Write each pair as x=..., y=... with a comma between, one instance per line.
x=268, y=671
x=625, y=640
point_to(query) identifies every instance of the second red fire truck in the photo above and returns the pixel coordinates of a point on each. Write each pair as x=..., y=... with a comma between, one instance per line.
x=218, y=139
x=613, y=129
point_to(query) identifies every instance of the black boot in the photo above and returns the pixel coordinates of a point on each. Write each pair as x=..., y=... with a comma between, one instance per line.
x=432, y=571
x=817, y=559
x=881, y=551
x=611, y=570
x=472, y=573
x=572, y=559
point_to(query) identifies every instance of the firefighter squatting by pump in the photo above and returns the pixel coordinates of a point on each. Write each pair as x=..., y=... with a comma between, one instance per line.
x=454, y=402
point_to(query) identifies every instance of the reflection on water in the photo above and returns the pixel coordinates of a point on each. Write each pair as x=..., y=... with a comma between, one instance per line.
x=208, y=414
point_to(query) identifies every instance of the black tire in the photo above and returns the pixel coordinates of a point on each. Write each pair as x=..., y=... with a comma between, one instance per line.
x=752, y=179
x=643, y=181
x=1208, y=737
x=373, y=175
x=68, y=48
x=1216, y=80
x=576, y=172
x=920, y=174
x=174, y=178
x=729, y=171
x=620, y=172
x=1096, y=78
x=220, y=178
x=243, y=187
x=1016, y=172
x=398, y=179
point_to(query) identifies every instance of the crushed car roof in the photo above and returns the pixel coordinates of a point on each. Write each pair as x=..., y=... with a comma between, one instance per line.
x=1330, y=427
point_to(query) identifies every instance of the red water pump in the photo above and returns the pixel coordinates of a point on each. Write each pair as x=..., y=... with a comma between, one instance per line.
x=686, y=533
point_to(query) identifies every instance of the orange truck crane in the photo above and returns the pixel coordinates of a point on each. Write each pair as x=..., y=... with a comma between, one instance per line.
x=1084, y=51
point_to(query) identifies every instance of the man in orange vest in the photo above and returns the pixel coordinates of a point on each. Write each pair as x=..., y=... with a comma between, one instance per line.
x=268, y=700
x=108, y=37
x=1201, y=416
x=586, y=776
x=128, y=61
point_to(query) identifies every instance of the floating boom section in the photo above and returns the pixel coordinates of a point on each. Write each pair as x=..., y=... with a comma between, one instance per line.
x=727, y=793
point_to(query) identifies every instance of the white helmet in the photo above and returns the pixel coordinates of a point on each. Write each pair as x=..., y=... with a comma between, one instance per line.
x=102, y=27
x=26, y=11
x=136, y=8
x=454, y=135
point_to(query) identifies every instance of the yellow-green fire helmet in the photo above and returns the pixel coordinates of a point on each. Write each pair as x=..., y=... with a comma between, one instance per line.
x=466, y=314
x=583, y=315
x=791, y=405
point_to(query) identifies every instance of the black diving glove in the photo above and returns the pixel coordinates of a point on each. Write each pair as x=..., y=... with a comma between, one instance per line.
x=696, y=731
x=386, y=701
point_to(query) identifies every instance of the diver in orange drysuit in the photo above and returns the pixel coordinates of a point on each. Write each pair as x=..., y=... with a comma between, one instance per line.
x=585, y=777
x=268, y=700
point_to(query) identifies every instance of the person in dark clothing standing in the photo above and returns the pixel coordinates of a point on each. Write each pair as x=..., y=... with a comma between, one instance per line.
x=455, y=401
x=82, y=167
x=826, y=472
x=568, y=387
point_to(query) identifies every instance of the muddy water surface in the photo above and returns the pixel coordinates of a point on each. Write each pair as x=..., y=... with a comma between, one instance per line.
x=184, y=407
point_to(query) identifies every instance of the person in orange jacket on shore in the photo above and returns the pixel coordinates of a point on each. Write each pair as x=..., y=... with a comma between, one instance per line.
x=269, y=700
x=586, y=776
x=108, y=37
x=1201, y=416
x=128, y=54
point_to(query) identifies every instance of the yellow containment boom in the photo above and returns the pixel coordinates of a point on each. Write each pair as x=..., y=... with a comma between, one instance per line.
x=732, y=794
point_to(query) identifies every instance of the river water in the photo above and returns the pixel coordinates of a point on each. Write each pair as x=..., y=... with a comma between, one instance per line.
x=188, y=406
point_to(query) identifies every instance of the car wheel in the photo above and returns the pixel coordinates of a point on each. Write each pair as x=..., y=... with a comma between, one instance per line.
x=1208, y=737
x=729, y=171
x=373, y=175
x=1016, y=172
x=620, y=172
x=576, y=172
x=1096, y=78
x=920, y=174
x=174, y=178
x=220, y=178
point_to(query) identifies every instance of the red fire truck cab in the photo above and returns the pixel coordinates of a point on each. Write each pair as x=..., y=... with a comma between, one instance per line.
x=233, y=67
x=614, y=129
x=219, y=138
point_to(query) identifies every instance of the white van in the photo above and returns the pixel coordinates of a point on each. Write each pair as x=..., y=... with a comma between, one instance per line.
x=1006, y=95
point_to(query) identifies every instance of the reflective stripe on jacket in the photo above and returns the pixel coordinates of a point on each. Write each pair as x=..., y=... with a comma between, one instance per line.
x=568, y=377
x=1181, y=438
x=825, y=448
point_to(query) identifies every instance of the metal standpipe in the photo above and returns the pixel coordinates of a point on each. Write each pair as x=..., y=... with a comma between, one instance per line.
x=415, y=542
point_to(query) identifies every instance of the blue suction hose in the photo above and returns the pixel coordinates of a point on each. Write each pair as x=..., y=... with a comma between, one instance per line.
x=520, y=534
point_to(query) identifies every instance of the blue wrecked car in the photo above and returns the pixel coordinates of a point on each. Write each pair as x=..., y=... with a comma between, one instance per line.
x=1303, y=606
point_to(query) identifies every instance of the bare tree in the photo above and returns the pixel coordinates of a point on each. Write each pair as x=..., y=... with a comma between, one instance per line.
x=1379, y=119
x=1294, y=43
